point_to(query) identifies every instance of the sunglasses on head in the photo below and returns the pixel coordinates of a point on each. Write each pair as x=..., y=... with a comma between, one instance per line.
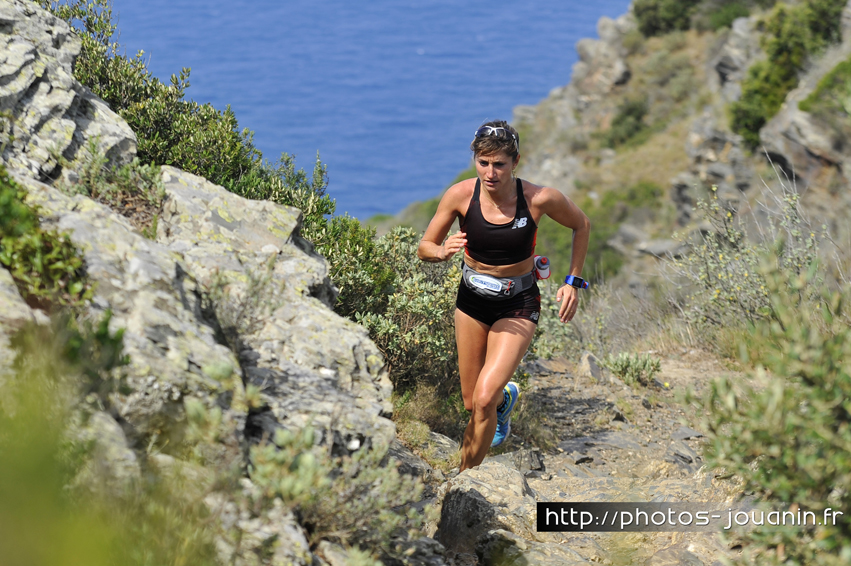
x=499, y=132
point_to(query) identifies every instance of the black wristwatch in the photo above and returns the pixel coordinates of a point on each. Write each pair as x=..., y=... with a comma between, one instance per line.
x=575, y=281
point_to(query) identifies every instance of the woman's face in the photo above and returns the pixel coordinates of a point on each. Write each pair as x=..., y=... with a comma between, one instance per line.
x=495, y=170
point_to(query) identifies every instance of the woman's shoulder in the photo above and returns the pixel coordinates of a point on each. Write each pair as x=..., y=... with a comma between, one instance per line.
x=461, y=191
x=535, y=194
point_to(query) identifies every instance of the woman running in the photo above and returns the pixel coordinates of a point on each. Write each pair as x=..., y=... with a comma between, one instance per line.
x=498, y=302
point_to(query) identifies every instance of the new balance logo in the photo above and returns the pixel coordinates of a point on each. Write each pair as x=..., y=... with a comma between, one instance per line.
x=519, y=223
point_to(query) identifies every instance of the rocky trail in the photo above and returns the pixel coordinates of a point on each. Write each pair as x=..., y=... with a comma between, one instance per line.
x=614, y=444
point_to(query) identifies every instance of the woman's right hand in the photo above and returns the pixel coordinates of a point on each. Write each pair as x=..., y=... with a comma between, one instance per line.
x=453, y=245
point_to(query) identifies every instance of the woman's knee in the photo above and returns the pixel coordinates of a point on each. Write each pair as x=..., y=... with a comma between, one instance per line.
x=486, y=401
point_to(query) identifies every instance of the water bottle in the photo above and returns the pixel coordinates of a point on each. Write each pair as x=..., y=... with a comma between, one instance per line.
x=542, y=267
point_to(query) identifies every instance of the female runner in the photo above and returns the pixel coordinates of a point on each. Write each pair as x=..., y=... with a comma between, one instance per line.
x=498, y=302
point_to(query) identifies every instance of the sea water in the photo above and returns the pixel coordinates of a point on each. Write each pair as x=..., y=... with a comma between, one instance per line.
x=388, y=92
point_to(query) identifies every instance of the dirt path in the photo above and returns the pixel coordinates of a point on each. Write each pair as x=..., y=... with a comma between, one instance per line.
x=614, y=443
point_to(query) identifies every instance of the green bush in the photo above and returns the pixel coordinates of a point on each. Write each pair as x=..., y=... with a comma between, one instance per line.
x=786, y=433
x=658, y=17
x=725, y=14
x=170, y=130
x=353, y=500
x=415, y=331
x=46, y=267
x=134, y=190
x=724, y=264
x=633, y=370
x=627, y=123
x=792, y=34
x=830, y=102
x=62, y=373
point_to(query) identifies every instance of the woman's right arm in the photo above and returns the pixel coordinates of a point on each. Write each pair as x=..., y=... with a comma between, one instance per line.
x=432, y=248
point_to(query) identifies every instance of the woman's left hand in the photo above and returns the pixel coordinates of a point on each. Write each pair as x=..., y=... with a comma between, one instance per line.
x=569, y=298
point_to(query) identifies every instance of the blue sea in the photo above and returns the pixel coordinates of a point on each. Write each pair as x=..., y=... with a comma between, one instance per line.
x=388, y=92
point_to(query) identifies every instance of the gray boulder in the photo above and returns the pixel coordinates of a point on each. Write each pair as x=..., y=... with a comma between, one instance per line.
x=589, y=366
x=52, y=114
x=246, y=539
x=112, y=465
x=488, y=497
x=272, y=301
x=176, y=361
x=739, y=50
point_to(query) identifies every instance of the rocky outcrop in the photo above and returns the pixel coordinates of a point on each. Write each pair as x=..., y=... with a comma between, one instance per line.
x=576, y=109
x=718, y=160
x=227, y=297
x=811, y=153
x=51, y=114
x=601, y=65
x=175, y=357
x=739, y=49
x=310, y=365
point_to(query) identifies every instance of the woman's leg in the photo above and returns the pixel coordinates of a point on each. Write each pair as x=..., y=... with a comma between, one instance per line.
x=504, y=346
x=471, y=338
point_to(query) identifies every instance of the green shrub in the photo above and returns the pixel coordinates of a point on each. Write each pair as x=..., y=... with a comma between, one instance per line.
x=792, y=34
x=658, y=17
x=830, y=102
x=62, y=373
x=415, y=331
x=724, y=264
x=133, y=190
x=46, y=267
x=725, y=14
x=350, y=500
x=627, y=123
x=633, y=370
x=786, y=433
x=170, y=130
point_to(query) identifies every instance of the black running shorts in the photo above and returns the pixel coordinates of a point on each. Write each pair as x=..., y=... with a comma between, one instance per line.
x=523, y=305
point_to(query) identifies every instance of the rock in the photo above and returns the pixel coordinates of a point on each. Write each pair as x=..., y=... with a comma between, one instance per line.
x=311, y=365
x=589, y=366
x=488, y=497
x=685, y=433
x=738, y=52
x=244, y=538
x=521, y=460
x=423, y=551
x=502, y=548
x=442, y=446
x=52, y=114
x=409, y=463
x=176, y=362
x=627, y=238
x=801, y=144
x=685, y=194
x=674, y=556
x=333, y=554
x=663, y=248
x=111, y=465
x=682, y=455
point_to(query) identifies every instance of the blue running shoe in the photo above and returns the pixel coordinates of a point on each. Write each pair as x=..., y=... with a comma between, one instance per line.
x=511, y=393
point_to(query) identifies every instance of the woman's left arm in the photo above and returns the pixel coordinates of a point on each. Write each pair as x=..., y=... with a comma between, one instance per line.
x=561, y=209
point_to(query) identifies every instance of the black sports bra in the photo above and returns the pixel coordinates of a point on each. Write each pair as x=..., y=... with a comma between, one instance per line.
x=499, y=244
